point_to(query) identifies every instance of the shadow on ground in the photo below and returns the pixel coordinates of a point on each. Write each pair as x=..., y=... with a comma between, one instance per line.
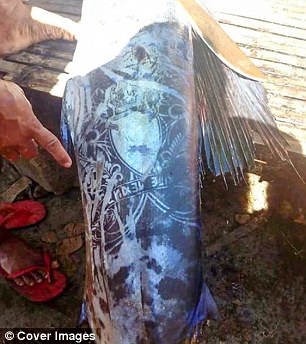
x=257, y=269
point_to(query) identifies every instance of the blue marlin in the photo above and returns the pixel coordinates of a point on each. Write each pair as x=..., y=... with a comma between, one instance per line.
x=133, y=119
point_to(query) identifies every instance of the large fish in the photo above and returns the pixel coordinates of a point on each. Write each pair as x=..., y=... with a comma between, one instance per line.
x=133, y=119
x=135, y=136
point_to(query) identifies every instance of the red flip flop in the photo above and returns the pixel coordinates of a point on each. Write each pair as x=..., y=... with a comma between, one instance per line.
x=39, y=292
x=21, y=214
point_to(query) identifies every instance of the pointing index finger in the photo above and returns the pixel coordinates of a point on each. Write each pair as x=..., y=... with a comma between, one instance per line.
x=52, y=145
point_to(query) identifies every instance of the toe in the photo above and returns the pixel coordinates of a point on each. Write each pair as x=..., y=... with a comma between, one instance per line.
x=55, y=264
x=43, y=274
x=28, y=280
x=37, y=276
x=19, y=281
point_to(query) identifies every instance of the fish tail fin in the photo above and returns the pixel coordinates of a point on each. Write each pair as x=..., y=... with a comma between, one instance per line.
x=206, y=308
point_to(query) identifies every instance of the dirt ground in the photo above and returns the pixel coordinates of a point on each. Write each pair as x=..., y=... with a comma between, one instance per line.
x=257, y=270
x=254, y=260
x=63, y=311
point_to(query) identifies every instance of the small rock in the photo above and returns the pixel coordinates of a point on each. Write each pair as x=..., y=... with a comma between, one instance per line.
x=69, y=245
x=242, y=219
x=68, y=265
x=285, y=209
x=49, y=238
x=55, y=264
x=40, y=192
x=300, y=219
x=73, y=229
x=237, y=302
x=21, y=185
x=247, y=337
x=260, y=219
x=76, y=259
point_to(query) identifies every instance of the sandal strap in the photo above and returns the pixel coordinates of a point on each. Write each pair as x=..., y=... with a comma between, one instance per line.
x=24, y=271
x=11, y=215
x=46, y=268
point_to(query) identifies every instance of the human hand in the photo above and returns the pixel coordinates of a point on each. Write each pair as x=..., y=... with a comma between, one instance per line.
x=21, y=131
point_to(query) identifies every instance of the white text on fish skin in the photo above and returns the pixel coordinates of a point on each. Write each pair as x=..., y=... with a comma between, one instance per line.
x=137, y=186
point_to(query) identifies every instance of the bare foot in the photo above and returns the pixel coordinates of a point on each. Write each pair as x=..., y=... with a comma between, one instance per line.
x=15, y=255
x=22, y=25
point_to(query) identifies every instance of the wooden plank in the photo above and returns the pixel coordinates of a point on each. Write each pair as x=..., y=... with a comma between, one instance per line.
x=274, y=56
x=296, y=138
x=8, y=67
x=293, y=12
x=293, y=7
x=40, y=79
x=285, y=115
x=266, y=40
x=287, y=103
x=278, y=20
x=42, y=66
x=276, y=46
x=280, y=80
x=68, y=7
x=71, y=3
x=288, y=92
x=261, y=10
x=296, y=3
x=219, y=42
x=265, y=62
x=293, y=75
x=263, y=26
x=29, y=59
x=58, y=49
x=288, y=116
x=287, y=96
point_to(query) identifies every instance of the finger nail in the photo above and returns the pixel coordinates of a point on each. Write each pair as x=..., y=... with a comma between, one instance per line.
x=67, y=164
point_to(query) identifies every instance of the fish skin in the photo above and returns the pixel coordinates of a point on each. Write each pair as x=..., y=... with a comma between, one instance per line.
x=136, y=141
